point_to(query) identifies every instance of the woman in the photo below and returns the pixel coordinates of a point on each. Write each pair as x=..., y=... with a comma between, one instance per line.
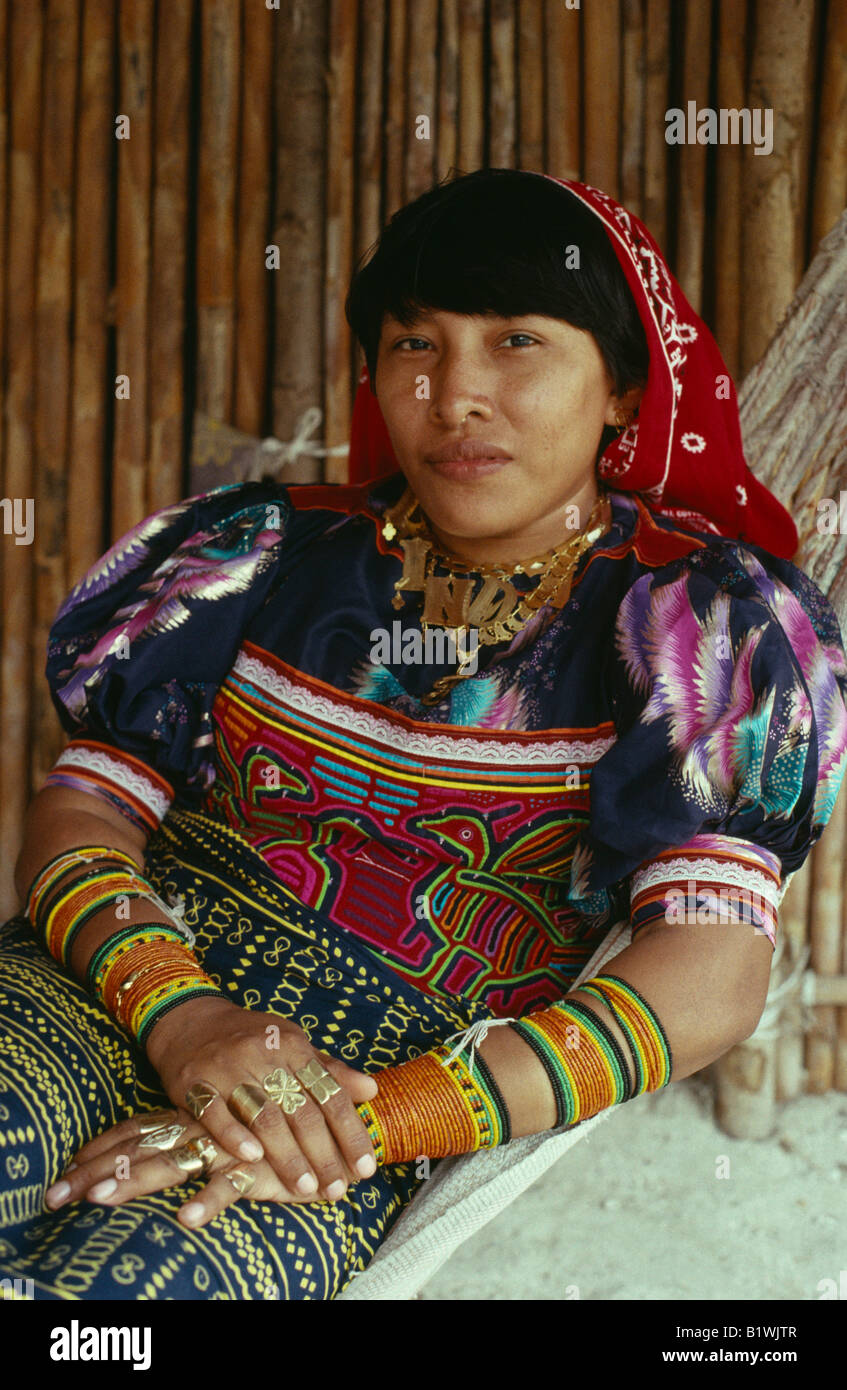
x=400, y=753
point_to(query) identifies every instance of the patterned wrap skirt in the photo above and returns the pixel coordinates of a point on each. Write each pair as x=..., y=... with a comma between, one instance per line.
x=68, y=1072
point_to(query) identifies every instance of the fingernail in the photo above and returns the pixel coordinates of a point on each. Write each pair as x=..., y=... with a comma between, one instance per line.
x=251, y=1149
x=366, y=1166
x=336, y=1190
x=307, y=1184
x=71, y=1167
x=193, y=1212
x=56, y=1195
x=103, y=1190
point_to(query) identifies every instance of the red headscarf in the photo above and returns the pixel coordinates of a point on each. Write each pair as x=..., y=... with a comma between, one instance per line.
x=683, y=450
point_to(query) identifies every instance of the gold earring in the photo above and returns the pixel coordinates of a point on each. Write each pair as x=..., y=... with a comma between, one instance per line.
x=623, y=420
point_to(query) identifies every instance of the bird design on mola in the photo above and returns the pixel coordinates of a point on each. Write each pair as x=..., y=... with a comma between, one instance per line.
x=481, y=903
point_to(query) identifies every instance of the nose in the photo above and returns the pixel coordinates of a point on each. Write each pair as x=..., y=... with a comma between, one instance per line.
x=455, y=394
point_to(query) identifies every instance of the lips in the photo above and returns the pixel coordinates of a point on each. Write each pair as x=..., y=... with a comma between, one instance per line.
x=468, y=459
x=467, y=451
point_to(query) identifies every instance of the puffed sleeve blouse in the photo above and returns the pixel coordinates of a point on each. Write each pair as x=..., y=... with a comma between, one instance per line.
x=138, y=649
x=676, y=733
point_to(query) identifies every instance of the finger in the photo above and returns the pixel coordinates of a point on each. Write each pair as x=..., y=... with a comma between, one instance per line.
x=225, y=1127
x=311, y=1127
x=152, y=1171
x=284, y=1152
x=130, y=1128
x=221, y=1191
x=351, y=1136
x=130, y=1143
x=73, y=1186
x=360, y=1085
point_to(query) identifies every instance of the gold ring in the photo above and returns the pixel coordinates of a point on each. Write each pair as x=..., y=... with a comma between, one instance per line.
x=247, y=1101
x=155, y=1119
x=241, y=1181
x=188, y=1160
x=166, y=1137
x=285, y=1090
x=318, y=1082
x=203, y=1146
x=198, y=1099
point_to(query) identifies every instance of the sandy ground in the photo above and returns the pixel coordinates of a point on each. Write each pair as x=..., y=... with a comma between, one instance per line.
x=638, y=1211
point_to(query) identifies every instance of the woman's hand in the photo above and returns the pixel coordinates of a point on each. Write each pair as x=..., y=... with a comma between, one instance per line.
x=317, y=1149
x=119, y=1165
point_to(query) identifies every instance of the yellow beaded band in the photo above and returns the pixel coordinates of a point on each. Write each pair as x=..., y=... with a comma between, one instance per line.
x=69, y=912
x=53, y=870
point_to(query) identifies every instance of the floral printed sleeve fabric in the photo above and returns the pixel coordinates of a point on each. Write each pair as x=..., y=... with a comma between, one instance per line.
x=728, y=682
x=139, y=647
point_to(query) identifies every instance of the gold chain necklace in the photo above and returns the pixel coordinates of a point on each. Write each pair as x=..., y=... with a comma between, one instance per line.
x=498, y=611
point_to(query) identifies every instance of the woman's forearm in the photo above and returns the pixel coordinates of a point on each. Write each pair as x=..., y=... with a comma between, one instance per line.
x=706, y=984
x=57, y=821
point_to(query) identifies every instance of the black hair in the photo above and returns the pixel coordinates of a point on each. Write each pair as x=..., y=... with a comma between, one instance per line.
x=496, y=241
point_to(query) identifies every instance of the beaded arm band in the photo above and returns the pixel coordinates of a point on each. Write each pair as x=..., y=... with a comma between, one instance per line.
x=435, y=1106
x=141, y=971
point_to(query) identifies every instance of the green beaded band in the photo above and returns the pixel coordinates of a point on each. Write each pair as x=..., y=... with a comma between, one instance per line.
x=596, y=987
x=555, y=1063
x=116, y=945
x=487, y=1085
x=91, y=910
x=52, y=893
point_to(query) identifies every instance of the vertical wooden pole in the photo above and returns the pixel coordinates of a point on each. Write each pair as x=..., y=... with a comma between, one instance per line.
x=471, y=112
x=692, y=184
x=727, y=232
x=341, y=69
x=299, y=222
x=532, y=47
x=502, y=146
x=840, y=1079
x=633, y=102
x=791, y=1045
x=656, y=103
x=421, y=85
x=601, y=91
x=129, y=459
x=830, y=170
x=252, y=321
x=53, y=361
x=772, y=183
x=396, y=118
x=220, y=65
x=95, y=144
x=447, y=134
x=825, y=939
x=168, y=256
x=369, y=147
x=563, y=92
x=20, y=661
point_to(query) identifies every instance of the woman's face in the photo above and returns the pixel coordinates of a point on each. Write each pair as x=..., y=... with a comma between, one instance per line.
x=534, y=386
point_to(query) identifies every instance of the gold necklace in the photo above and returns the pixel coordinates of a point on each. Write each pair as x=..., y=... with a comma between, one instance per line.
x=498, y=611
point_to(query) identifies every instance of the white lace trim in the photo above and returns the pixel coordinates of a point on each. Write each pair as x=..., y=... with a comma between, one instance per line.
x=705, y=870
x=445, y=747
x=123, y=776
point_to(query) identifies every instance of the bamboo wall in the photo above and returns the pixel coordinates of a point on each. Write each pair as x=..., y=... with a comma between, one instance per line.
x=142, y=260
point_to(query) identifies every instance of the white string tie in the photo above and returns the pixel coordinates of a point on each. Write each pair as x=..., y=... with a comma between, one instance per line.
x=476, y=1035
x=290, y=451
